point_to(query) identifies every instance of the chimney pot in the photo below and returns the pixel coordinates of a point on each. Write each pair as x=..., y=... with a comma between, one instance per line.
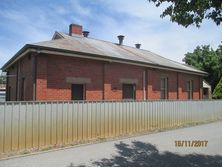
x=75, y=29
x=120, y=37
x=138, y=45
x=85, y=33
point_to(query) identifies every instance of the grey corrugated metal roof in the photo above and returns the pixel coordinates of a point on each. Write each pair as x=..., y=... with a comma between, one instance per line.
x=106, y=50
x=91, y=46
x=112, y=50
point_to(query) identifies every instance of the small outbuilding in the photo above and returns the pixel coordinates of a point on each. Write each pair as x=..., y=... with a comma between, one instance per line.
x=207, y=90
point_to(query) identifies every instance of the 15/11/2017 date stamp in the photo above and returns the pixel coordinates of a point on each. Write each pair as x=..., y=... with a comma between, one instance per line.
x=191, y=143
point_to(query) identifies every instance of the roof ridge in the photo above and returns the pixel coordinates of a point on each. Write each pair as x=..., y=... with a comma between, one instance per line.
x=129, y=47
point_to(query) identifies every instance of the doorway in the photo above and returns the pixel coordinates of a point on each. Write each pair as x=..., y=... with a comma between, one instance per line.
x=78, y=92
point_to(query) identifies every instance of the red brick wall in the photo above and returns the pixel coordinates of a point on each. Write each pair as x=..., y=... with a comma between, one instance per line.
x=197, y=90
x=11, y=82
x=53, y=70
x=153, y=86
x=41, y=78
x=201, y=87
x=26, y=72
x=21, y=69
x=116, y=71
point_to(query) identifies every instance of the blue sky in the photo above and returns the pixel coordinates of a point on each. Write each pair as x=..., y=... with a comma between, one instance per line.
x=25, y=21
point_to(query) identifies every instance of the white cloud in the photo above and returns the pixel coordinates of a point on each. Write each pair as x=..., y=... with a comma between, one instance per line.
x=138, y=20
x=4, y=55
x=141, y=9
x=154, y=33
x=84, y=11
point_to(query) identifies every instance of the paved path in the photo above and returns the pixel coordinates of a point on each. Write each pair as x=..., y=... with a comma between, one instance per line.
x=148, y=150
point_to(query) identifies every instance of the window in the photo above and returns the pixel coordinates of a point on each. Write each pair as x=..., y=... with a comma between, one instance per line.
x=163, y=88
x=129, y=91
x=78, y=92
x=189, y=89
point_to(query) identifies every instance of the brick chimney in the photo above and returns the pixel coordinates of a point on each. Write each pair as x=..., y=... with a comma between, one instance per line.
x=75, y=29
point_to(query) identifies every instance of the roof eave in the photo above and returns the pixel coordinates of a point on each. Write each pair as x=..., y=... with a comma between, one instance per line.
x=119, y=59
x=15, y=57
x=29, y=47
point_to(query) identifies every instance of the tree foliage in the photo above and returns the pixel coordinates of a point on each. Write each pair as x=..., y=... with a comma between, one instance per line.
x=2, y=79
x=207, y=59
x=217, y=94
x=187, y=12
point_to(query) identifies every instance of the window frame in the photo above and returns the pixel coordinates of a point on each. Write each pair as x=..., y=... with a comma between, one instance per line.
x=189, y=89
x=164, y=90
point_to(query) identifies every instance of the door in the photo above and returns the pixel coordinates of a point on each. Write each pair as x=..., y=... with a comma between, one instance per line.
x=78, y=92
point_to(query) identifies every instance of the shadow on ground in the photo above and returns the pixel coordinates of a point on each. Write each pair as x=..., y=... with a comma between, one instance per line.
x=144, y=154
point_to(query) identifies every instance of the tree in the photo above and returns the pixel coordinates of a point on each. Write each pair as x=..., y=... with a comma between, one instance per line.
x=3, y=79
x=188, y=12
x=206, y=59
x=217, y=94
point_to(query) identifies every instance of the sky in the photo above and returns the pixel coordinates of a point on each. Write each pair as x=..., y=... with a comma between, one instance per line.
x=25, y=21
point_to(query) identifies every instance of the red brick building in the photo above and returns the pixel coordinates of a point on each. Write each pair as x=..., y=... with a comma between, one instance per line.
x=75, y=67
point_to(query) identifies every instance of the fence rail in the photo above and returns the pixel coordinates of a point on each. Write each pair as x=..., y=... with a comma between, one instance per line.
x=30, y=125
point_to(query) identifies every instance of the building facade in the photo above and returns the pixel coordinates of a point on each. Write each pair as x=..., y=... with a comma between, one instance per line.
x=76, y=67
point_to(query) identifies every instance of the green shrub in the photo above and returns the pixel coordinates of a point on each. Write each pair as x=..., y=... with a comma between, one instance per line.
x=217, y=94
